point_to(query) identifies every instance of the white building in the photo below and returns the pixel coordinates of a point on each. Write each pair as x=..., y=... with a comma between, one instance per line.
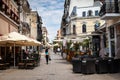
x=83, y=21
x=80, y=3
x=83, y=18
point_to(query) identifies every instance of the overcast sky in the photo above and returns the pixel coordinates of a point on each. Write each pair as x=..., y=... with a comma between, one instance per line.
x=51, y=12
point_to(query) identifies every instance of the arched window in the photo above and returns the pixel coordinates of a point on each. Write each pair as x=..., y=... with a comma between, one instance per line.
x=74, y=29
x=90, y=13
x=84, y=28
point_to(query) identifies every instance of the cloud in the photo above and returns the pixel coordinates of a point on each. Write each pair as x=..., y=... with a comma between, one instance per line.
x=51, y=12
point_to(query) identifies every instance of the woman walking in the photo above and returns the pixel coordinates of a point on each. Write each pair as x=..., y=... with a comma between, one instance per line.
x=46, y=55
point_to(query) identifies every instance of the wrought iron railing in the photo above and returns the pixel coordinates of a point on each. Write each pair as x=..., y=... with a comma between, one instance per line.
x=109, y=7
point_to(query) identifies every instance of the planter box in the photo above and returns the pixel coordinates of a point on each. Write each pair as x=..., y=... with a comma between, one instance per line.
x=114, y=65
x=76, y=65
x=88, y=66
x=102, y=66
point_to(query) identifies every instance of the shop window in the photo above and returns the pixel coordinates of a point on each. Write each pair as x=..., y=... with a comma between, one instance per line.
x=113, y=48
x=112, y=32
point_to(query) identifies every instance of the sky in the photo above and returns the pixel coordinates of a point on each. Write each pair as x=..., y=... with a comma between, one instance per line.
x=51, y=12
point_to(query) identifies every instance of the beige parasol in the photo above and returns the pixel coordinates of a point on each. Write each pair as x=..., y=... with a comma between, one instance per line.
x=15, y=38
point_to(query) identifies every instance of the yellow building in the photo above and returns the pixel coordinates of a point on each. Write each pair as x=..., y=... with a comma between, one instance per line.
x=58, y=35
x=82, y=27
x=33, y=23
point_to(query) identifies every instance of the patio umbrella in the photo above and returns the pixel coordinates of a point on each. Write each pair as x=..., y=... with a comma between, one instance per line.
x=15, y=38
x=18, y=39
x=48, y=45
x=56, y=44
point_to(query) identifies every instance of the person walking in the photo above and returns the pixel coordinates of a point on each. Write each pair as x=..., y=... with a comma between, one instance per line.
x=46, y=55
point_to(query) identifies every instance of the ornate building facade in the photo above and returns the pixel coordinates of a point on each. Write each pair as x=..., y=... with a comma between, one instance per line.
x=9, y=16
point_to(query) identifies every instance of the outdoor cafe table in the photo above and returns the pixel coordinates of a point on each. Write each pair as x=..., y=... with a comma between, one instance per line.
x=28, y=60
x=29, y=63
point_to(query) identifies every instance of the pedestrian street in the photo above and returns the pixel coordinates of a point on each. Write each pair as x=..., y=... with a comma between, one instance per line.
x=57, y=69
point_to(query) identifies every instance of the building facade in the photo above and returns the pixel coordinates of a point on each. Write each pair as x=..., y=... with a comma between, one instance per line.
x=39, y=29
x=9, y=16
x=58, y=36
x=45, y=39
x=65, y=18
x=110, y=12
x=24, y=9
x=35, y=23
x=80, y=20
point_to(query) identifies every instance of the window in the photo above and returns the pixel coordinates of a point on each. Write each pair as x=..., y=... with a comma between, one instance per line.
x=84, y=14
x=112, y=32
x=90, y=13
x=64, y=31
x=74, y=29
x=84, y=28
x=96, y=13
x=116, y=6
x=96, y=25
x=74, y=11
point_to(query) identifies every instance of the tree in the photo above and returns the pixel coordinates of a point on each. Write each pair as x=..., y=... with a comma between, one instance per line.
x=86, y=43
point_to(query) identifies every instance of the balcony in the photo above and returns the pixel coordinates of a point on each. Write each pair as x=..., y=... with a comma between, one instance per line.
x=14, y=17
x=4, y=8
x=110, y=10
x=25, y=26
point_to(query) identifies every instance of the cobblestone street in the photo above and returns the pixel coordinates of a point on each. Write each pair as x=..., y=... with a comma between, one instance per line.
x=57, y=69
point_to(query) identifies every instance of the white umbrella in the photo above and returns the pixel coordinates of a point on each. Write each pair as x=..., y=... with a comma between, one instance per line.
x=56, y=44
x=18, y=39
x=15, y=38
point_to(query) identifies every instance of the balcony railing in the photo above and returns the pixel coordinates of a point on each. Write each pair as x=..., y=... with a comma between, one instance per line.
x=8, y=12
x=14, y=17
x=109, y=10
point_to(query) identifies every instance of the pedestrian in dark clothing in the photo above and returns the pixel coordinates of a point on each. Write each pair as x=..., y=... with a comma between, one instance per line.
x=46, y=55
x=24, y=54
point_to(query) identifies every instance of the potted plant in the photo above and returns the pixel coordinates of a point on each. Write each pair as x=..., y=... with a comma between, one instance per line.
x=85, y=44
x=76, y=47
x=68, y=44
